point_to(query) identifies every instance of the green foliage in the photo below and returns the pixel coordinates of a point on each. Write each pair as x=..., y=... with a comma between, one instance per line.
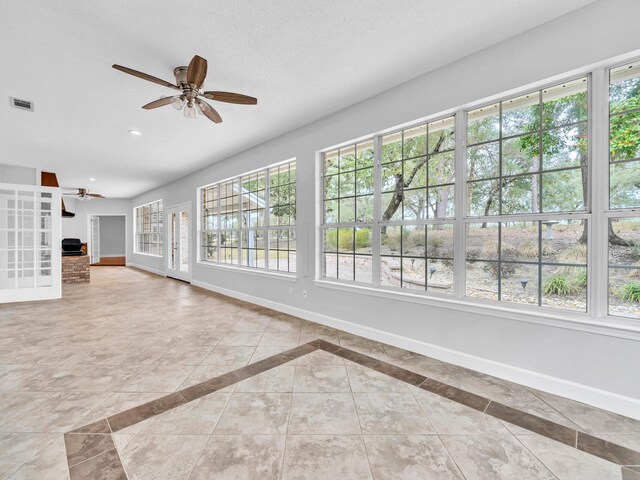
x=345, y=239
x=630, y=292
x=581, y=280
x=559, y=285
x=363, y=238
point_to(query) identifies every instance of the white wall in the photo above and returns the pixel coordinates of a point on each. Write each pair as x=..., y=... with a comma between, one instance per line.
x=19, y=175
x=113, y=236
x=595, y=368
x=69, y=225
x=78, y=227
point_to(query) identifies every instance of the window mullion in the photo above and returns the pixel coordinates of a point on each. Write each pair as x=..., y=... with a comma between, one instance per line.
x=267, y=218
x=377, y=206
x=599, y=156
x=460, y=201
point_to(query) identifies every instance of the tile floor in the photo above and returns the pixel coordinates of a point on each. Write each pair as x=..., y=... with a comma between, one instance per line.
x=129, y=338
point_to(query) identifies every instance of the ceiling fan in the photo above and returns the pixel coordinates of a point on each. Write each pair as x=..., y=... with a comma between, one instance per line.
x=189, y=81
x=84, y=194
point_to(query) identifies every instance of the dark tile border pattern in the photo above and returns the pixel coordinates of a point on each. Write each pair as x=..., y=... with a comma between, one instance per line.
x=91, y=452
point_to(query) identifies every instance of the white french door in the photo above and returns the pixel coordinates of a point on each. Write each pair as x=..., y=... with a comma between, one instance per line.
x=30, y=247
x=178, y=242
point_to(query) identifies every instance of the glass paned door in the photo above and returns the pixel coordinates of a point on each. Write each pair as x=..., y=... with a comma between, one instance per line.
x=29, y=243
x=178, y=246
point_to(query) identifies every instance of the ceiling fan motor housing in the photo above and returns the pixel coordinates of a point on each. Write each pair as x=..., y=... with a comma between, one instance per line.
x=181, y=77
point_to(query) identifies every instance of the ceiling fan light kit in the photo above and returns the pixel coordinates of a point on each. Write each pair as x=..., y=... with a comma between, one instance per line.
x=189, y=80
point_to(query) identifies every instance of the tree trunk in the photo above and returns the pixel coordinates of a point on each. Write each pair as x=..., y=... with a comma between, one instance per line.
x=402, y=183
x=487, y=208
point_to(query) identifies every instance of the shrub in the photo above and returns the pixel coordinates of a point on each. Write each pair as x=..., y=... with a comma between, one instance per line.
x=581, y=280
x=345, y=239
x=558, y=285
x=631, y=292
x=575, y=254
x=363, y=239
x=528, y=249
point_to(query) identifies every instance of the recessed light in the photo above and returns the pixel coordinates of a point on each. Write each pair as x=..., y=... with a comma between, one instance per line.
x=92, y=179
x=135, y=132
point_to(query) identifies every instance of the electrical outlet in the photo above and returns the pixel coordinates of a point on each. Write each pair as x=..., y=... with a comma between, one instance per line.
x=290, y=290
x=304, y=293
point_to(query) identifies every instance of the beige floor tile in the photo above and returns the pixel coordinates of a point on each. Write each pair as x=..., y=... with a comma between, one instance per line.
x=591, y=419
x=276, y=380
x=410, y=457
x=365, y=380
x=229, y=356
x=494, y=457
x=391, y=413
x=261, y=353
x=323, y=413
x=321, y=379
x=149, y=457
x=48, y=463
x=18, y=448
x=449, y=417
x=240, y=339
x=568, y=463
x=184, y=356
x=326, y=456
x=280, y=339
x=198, y=417
x=255, y=413
x=158, y=378
x=106, y=378
x=320, y=358
x=234, y=457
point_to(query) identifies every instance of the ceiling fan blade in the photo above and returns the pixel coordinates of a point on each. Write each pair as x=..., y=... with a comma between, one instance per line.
x=145, y=76
x=74, y=194
x=94, y=195
x=209, y=111
x=197, y=71
x=231, y=97
x=161, y=102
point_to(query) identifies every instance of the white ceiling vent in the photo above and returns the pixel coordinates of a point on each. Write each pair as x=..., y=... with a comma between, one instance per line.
x=21, y=104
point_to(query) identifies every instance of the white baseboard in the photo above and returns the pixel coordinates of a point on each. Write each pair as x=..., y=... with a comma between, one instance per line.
x=146, y=269
x=613, y=402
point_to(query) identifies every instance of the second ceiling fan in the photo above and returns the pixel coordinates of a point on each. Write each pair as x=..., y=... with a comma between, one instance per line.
x=189, y=81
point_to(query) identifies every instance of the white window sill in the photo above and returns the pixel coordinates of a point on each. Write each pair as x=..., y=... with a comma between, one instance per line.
x=148, y=254
x=611, y=326
x=287, y=277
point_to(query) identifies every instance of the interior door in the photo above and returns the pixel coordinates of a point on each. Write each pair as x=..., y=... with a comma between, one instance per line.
x=178, y=245
x=95, y=240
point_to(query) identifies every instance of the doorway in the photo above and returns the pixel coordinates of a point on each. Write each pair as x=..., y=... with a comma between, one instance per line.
x=108, y=240
x=178, y=244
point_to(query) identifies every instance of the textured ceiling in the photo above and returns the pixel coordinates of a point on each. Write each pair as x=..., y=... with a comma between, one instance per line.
x=302, y=59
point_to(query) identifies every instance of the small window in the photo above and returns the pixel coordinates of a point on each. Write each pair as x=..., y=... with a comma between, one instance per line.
x=149, y=232
x=249, y=221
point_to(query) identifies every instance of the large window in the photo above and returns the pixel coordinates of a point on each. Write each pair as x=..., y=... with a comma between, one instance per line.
x=528, y=198
x=394, y=228
x=623, y=223
x=148, y=228
x=249, y=221
x=515, y=212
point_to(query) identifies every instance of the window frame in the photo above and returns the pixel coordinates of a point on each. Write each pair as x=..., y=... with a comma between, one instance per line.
x=609, y=212
x=240, y=230
x=539, y=216
x=160, y=232
x=377, y=223
x=596, y=319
